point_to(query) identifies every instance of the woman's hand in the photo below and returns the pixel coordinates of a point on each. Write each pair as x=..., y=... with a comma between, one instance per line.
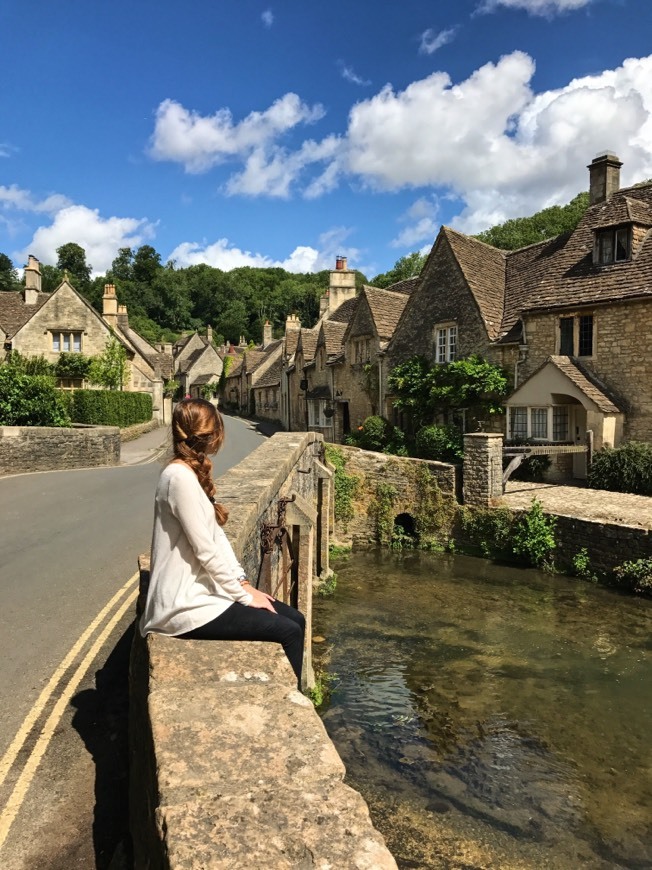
x=261, y=600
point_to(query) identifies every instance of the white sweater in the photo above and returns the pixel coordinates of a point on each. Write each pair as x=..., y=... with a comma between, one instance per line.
x=193, y=571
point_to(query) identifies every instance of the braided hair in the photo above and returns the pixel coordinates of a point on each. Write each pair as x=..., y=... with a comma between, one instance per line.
x=197, y=431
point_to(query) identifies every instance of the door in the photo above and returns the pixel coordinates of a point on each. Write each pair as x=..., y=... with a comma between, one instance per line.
x=579, y=439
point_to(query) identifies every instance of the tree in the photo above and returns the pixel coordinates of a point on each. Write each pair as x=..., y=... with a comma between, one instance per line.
x=72, y=258
x=8, y=275
x=405, y=267
x=51, y=277
x=146, y=264
x=122, y=267
x=545, y=224
x=111, y=368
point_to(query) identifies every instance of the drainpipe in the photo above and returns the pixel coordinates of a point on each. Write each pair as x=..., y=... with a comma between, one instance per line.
x=381, y=404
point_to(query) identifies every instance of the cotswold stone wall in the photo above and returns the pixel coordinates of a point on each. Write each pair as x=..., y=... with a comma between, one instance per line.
x=230, y=764
x=46, y=448
x=608, y=544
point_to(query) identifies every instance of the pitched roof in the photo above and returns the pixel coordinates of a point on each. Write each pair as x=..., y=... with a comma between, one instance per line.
x=406, y=286
x=291, y=340
x=272, y=377
x=308, y=341
x=253, y=358
x=344, y=312
x=483, y=267
x=163, y=362
x=584, y=380
x=333, y=333
x=386, y=308
x=14, y=313
x=235, y=368
x=560, y=272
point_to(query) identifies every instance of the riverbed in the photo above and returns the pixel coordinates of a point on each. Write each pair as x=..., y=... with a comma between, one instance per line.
x=492, y=717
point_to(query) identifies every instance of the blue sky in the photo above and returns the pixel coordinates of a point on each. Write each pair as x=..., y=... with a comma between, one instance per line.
x=238, y=132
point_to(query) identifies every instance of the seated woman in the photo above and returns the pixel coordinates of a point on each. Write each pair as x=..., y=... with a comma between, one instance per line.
x=197, y=587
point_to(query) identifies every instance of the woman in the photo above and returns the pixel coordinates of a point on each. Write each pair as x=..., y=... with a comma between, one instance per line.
x=197, y=588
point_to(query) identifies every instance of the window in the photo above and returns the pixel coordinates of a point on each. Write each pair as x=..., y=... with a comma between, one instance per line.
x=612, y=246
x=518, y=418
x=576, y=335
x=316, y=413
x=68, y=342
x=362, y=350
x=538, y=423
x=560, y=423
x=446, y=343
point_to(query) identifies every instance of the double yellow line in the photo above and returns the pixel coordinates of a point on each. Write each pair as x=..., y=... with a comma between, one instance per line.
x=17, y=796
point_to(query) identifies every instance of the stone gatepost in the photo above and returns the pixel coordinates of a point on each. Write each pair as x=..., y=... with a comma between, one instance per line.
x=483, y=468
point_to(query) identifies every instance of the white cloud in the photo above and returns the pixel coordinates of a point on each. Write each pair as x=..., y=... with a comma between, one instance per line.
x=267, y=18
x=6, y=150
x=14, y=197
x=431, y=40
x=201, y=142
x=422, y=224
x=350, y=75
x=546, y=8
x=100, y=237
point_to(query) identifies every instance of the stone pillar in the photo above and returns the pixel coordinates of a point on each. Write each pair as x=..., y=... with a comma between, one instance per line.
x=157, y=400
x=483, y=468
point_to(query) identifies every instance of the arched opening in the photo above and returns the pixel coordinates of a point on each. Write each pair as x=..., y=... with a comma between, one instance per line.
x=404, y=536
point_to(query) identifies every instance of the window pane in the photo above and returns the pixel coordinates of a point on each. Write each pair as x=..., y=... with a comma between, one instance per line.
x=606, y=247
x=56, y=341
x=76, y=342
x=586, y=336
x=560, y=424
x=518, y=418
x=66, y=341
x=452, y=342
x=622, y=245
x=539, y=422
x=441, y=345
x=566, y=336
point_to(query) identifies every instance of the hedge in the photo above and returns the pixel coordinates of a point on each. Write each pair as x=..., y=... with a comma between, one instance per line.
x=110, y=407
x=30, y=400
x=623, y=469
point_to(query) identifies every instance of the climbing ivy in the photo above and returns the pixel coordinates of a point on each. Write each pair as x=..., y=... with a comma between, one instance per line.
x=381, y=509
x=434, y=511
x=346, y=485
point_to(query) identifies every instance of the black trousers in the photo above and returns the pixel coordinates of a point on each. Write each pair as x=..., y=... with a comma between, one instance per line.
x=287, y=626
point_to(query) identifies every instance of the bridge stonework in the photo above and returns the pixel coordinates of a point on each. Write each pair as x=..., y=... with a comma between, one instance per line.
x=483, y=469
x=230, y=764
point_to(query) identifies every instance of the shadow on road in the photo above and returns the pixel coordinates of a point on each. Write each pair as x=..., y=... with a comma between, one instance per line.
x=101, y=720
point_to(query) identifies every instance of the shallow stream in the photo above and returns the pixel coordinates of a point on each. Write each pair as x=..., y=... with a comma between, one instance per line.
x=491, y=717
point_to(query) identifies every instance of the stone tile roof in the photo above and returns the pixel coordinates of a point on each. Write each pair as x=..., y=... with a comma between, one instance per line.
x=560, y=272
x=624, y=210
x=181, y=342
x=235, y=368
x=291, y=340
x=161, y=362
x=344, y=312
x=407, y=285
x=333, y=332
x=188, y=363
x=483, y=267
x=14, y=314
x=200, y=380
x=309, y=342
x=587, y=383
x=386, y=307
x=272, y=377
x=253, y=358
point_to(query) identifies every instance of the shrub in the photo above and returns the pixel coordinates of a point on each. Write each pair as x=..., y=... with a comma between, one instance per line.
x=582, y=566
x=345, y=486
x=374, y=434
x=623, y=469
x=72, y=365
x=533, y=537
x=30, y=400
x=636, y=575
x=442, y=443
x=28, y=365
x=110, y=408
x=490, y=530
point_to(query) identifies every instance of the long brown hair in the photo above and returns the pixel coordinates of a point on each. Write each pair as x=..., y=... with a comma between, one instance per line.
x=197, y=431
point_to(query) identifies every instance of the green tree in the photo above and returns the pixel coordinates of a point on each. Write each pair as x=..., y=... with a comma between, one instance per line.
x=545, y=224
x=72, y=258
x=110, y=369
x=405, y=267
x=122, y=267
x=51, y=277
x=146, y=264
x=8, y=274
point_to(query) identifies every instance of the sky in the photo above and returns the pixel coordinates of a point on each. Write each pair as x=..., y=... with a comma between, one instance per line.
x=284, y=133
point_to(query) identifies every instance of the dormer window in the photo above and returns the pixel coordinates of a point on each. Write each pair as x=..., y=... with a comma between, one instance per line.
x=612, y=245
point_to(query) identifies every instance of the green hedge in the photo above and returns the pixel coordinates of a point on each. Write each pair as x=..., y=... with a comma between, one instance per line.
x=30, y=400
x=110, y=407
x=623, y=469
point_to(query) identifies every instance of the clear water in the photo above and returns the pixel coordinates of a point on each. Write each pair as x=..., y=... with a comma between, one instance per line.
x=491, y=717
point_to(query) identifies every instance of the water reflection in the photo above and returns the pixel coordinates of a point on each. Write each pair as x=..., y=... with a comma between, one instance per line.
x=492, y=717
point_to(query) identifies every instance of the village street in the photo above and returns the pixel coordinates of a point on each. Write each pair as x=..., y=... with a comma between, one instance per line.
x=69, y=542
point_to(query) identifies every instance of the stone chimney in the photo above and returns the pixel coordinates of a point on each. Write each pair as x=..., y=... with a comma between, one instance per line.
x=123, y=317
x=267, y=333
x=110, y=306
x=292, y=323
x=342, y=285
x=604, y=177
x=209, y=334
x=243, y=341
x=32, y=280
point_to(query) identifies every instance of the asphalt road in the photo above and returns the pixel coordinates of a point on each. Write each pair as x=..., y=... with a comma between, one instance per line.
x=69, y=541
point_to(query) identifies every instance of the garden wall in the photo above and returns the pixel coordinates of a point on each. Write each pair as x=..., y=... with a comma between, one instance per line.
x=44, y=448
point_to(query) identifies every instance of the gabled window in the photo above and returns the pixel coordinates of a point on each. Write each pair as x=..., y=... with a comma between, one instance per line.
x=612, y=245
x=445, y=342
x=576, y=335
x=68, y=342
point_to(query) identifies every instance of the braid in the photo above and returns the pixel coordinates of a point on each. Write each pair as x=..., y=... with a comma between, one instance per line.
x=195, y=424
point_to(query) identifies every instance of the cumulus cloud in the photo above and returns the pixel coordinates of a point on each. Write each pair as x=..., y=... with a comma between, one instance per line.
x=267, y=18
x=14, y=197
x=421, y=224
x=431, y=40
x=350, y=75
x=545, y=8
x=200, y=142
x=100, y=237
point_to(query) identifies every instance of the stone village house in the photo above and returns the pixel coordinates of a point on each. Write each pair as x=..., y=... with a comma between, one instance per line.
x=48, y=324
x=197, y=364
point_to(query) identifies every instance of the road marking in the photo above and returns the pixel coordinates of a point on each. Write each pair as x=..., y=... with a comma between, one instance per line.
x=27, y=774
x=28, y=723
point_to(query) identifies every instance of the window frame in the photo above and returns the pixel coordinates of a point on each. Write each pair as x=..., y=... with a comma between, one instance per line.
x=578, y=334
x=553, y=412
x=446, y=337
x=607, y=243
x=67, y=340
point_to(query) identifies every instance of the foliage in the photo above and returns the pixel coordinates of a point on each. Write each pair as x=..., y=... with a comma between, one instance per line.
x=320, y=692
x=425, y=390
x=441, y=443
x=171, y=388
x=401, y=540
x=110, y=369
x=338, y=551
x=8, y=274
x=545, y=224
x=533, y=536
x=346, y=485
x=29, y=365
x=110, y=408
x=208, y=391
x=405, y=267
x=30, y=400
x=328, y=586
x=636, y=575
x=434, y=511
x=72, y=365
x=489, y=530
x=533, y=468
x=379, y=435
x=582, y=566
x=623, y=469
x=381, y=509
x=72, y=258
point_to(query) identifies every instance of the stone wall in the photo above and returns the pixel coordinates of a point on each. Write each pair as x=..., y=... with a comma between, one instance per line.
x=483, y=468
x=608, y=544
x=45, y=448
x=230, y=764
